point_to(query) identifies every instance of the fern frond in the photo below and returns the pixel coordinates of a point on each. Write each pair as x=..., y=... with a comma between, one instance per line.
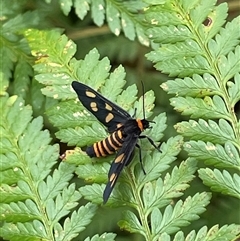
x=182, y=213
x=197, y=86
x=226, y=232
x=120, y=15
x=206, y=108
x=32, y=200
x=76, y=223
x=211, y=154
x=188, y=55
x=211, y=131
x=226, y=39
x=57, y=68
x=161, y=192
x=170, y=221
x=38, y=201
x=196, y=46
x=103, y=237
x=221, y=182
x=14, y=60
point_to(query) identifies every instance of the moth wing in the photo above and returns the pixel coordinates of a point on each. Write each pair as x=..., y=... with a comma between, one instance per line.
x=123, y=158
x=103, y=109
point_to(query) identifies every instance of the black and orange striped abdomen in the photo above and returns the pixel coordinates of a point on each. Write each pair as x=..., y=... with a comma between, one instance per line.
x=107, y=146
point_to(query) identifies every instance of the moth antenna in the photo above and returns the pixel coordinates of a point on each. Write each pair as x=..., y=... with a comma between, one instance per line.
x=144, y=117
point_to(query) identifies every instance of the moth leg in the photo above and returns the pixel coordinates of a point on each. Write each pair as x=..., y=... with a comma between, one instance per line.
x=140, y=157
x=134, y=114
x=151, y=142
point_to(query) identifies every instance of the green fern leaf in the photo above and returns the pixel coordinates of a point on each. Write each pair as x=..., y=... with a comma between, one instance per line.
x=120, y=15
x=221, y=182
x=226, y=40
x=199, y=12
x=171, y=220
x=209, y=108
x=76, y=223
x=156, y=132
x=55, y=183
x=156, y=217
x=82, y=136
x=81, y=7
x=155, y=167
x=211, y=154
x=113, y=85
x=14, y=48
x=229, y=65
x=215, y=143
x=160, y=193
x=207, y=131
x=186, y=30
x=19, y=212
x=112, y=15
x=131, y=223
x=216, y=19
x=12, y=194
x=179, y=179
x=66, y=6
x=27, y=231
x=96, y=173
x=103, y=237
x=129, y=94
x=93, y=192
x=196, y=86
x=22, y=74
x=149, y=99
x=234, y=89
x=66, y=114
x=23, y=114
x=126, y=16
x=226, y=232
x=32, y=209
x=128, y=26
x=183, y=212
x=21, y=21
x=98, y=11
x=60, y=207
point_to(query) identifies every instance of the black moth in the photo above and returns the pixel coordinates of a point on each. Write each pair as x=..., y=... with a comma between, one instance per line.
x=124, y=132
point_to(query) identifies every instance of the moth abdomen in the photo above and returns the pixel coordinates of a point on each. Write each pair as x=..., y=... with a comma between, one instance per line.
x=107, y=146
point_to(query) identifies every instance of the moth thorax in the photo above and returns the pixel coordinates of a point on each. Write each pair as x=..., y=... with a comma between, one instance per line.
x=142, y=124
x=145, y=124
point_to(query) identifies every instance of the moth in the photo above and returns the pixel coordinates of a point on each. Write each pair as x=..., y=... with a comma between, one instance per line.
x=124, y=132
